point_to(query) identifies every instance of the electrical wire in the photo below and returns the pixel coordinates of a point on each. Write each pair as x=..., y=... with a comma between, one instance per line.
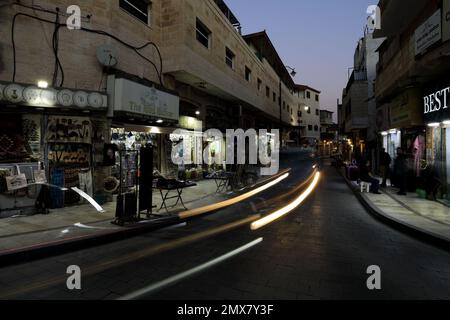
x=55, y=43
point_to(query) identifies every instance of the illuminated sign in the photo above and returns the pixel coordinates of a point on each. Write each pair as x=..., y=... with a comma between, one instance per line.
x=30, y=95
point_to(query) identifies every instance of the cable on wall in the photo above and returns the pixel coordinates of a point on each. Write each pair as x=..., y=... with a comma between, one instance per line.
x=55, y=44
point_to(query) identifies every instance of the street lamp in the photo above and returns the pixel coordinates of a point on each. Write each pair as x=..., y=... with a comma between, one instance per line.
x=293, y=72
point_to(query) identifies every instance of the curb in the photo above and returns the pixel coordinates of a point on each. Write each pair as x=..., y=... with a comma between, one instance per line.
x=55, y=248
x=422, y=234
x=45, y=250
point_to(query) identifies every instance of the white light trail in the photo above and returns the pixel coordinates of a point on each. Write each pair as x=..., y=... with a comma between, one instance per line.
x=188, y=273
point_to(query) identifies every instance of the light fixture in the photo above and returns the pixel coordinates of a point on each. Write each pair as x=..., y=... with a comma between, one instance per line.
x=446, y=122
x=42, y=84
x=393, y=131
x=159, y=121
x=306, y=108
x=434, y=125
x=384, y=133
x=293, y=72
x=197, y=112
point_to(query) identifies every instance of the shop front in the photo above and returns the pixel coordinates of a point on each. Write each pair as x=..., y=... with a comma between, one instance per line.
x=51, y=142
x=143, y=114
x=436, y=108
x=401, y=126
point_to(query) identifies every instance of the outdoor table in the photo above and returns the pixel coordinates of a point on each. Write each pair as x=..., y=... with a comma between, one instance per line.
x=222, y=180
x=178, y=186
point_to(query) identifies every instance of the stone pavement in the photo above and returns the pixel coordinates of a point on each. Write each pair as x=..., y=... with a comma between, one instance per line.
x=429, y=217
x=83, y=220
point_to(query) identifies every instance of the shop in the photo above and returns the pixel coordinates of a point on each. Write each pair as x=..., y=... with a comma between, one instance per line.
x=49, y=137
x=144, y=114
x=437, y=117
x=404, y=128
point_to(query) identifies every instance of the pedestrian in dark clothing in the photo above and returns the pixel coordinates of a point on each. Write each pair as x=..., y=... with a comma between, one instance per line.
x=400, y=171
x=385, y=166
x=366, y=176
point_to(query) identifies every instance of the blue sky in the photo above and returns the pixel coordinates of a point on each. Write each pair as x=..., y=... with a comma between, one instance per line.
x=317, y=37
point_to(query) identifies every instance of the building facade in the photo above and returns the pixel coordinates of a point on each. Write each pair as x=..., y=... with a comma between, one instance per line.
x=308, y=104
x=135, y=71
x=412, y=88
x=358, y=100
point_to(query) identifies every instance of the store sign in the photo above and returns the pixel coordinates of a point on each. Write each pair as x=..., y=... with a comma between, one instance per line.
x=190, y=123
x=446, y=20
x=428, y=33
x=406, y=109
x=437, y=105
x=29, y=95
x=136, y=98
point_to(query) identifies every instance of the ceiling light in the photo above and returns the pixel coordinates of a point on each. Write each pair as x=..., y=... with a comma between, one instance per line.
x=42, y=84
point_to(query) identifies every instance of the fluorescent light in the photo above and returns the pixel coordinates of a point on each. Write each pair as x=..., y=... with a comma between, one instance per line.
x=159, y=121
x=446, y=122
x=42, y=84
x=434, y=125
x=384, y=134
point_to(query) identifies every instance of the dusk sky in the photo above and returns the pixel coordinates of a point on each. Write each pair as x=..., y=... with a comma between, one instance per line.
x=317, y=38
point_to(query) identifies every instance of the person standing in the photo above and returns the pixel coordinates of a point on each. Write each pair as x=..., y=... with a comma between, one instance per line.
x=400, y=171
x=385, y=166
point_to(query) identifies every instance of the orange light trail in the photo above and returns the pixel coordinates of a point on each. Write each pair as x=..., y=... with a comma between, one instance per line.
x=230, y=202
x=283, y=211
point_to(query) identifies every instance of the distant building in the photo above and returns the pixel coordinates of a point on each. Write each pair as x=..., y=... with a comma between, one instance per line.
x=308, y=105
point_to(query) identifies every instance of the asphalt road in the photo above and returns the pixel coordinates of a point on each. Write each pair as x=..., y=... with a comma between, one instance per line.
x=321, y=250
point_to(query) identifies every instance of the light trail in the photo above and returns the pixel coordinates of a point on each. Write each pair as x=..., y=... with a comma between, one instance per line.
x=131, y=257
x=89, y=198
x=230, y=202
x=174, y=279
x=283, y=211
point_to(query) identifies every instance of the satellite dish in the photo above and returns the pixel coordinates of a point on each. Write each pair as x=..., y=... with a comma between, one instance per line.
x=107, y=56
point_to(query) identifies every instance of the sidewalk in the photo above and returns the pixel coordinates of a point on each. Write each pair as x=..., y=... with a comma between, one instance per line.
x=82, y=222
x=427, y=217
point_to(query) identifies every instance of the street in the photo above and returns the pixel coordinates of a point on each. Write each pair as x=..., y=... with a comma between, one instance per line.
x=321, y=250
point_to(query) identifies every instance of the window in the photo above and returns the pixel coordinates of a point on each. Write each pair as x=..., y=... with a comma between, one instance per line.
x=229, y=58
x=267, y=92
x=317, y=112
x=308, y=95
x=317, y=97
x=310, y=127
x=274, y=97
x=316, y=128
x=300, y=114
x=203, y=34
x=259, y=84
x=137, y=8
x=248, y=74
x=309, y=110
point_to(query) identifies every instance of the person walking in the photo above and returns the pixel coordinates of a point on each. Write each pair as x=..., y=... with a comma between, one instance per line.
x=385, y=166
x=400, y=171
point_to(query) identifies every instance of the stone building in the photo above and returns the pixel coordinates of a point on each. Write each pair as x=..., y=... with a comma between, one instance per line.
x=135, y=71
x=412, y=87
